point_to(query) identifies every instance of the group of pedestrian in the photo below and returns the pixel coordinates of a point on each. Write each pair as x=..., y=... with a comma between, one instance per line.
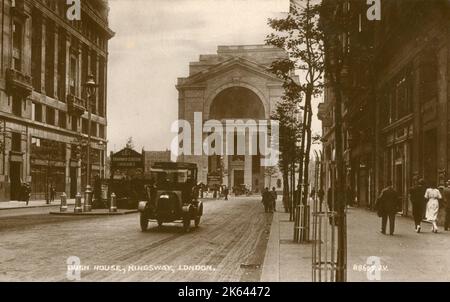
x=269, y=200
x=425, y=205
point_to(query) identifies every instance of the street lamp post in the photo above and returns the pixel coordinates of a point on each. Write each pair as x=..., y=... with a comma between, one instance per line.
x=90, y=85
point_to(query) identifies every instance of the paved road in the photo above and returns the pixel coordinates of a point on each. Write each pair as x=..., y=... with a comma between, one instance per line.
x=229, y=245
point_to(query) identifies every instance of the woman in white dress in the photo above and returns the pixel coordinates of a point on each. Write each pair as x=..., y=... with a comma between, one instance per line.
x=432, y=195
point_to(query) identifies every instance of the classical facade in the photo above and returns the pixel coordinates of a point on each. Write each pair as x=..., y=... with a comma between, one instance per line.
x=233, y=84
x=44, y=60
x=397, y=118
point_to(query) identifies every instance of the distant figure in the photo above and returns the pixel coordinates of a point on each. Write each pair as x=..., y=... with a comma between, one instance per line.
x=52, y=193
x=349, y=196
x=432, y=195
x=320, y=195
x=274, y=199
x=26, y=192
x=447, y=205
x=416, y=195
x=387, y=205
x=226, y=191
x=267, y=200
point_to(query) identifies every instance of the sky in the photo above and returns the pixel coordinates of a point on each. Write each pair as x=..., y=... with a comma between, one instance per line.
x=155, y=41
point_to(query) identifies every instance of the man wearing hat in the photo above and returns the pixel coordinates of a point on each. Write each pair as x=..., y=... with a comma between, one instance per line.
x=417, y=197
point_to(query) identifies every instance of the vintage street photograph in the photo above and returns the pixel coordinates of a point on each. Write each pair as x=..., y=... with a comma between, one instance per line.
x=257, y=141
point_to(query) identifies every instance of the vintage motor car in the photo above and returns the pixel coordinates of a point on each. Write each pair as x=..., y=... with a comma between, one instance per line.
x=172, y=196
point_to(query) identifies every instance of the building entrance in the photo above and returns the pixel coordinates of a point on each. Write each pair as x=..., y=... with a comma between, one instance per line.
x=14, y=176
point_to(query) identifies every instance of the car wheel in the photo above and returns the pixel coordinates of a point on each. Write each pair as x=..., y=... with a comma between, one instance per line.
x=197, y=221
x=144, y=222
x=186, y=224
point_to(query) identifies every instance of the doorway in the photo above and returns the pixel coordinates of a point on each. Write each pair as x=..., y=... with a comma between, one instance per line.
x=73, y=182
x=14, y=175
x=238, y=178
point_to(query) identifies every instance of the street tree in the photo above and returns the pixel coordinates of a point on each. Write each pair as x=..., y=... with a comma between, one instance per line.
x=285, y=113
x=300, y=36
x=343, y=48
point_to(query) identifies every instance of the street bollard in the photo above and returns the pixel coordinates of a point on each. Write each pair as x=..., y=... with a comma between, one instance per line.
x=87, y=207
x=78, y=208
x=113, y=207
x=63, y=206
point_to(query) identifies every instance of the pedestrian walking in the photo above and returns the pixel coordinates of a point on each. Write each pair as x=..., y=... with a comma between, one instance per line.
x=387, y=207
x=432, y=195
x=274, y=199
x=417, y=198
x=447, y=204
x=226, y=191
x=267, y=200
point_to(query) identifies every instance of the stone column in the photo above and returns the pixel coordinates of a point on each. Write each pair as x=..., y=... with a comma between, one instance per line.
x=55, y=67
x=225, y=171
x=43, y=53
x=68, y=156
x=67, y=43
x=97, y=80
x=80, y=67
x=248, y=173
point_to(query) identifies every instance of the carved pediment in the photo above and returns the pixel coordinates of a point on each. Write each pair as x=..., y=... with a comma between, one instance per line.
x=235, y=63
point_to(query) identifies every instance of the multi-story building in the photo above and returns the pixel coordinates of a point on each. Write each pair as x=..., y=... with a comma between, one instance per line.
x=44, y=60
x=233, y=85
x=396, y=119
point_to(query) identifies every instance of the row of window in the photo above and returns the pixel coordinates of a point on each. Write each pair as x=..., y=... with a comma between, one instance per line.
x=54, y=71
x=398, y=99
x=86, y=26
x=50, y=119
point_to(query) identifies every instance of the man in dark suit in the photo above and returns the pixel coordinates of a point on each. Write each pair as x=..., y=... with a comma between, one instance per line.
x=388, y=205
x=417, y=197
x=267, y=200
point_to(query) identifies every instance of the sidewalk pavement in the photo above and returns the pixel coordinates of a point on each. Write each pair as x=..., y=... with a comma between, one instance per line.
x=406, y=256
x=9, y=205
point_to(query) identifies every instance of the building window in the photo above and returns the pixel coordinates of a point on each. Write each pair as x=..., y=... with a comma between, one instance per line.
x=74, y=124
x=73, y=75
x=50, y=61
x=62, y=120
x=17, y=105
x=50, y=116
x=84, y=126
x=17, y=45
x=36, y=52
x=101, y=130
x=62, y=66
x=36, y=112
x=93, y=129
x=16, y=142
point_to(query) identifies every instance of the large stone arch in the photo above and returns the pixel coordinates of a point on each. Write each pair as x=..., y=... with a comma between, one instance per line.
x=212, y=96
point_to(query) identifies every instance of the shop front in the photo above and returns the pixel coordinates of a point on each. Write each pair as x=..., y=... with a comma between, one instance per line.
x=48, y=167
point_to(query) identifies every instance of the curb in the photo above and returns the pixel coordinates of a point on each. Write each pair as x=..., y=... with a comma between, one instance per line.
x=271, y=266
x=94, y=213
x=33, y=207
